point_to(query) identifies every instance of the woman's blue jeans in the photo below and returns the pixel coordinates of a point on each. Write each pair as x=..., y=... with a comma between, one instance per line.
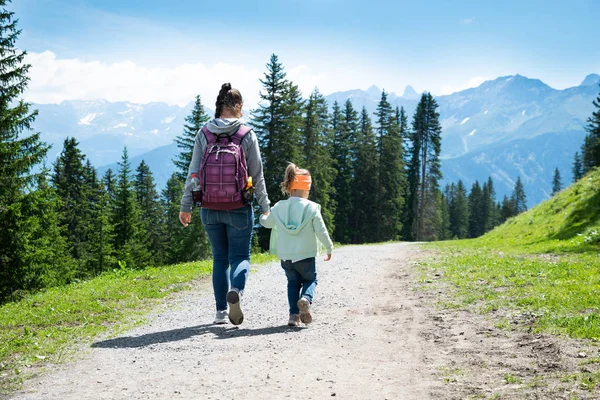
x=302, y=281
x=230, y=236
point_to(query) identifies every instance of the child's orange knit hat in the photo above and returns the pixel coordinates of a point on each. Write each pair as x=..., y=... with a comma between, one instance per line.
x=302, y=182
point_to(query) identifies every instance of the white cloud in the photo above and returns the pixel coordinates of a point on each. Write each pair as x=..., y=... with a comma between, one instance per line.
x=467, y=21
x=54, y=80
x=472, y=83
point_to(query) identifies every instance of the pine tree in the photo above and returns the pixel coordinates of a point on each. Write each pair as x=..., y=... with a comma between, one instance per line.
x=344, y=125
x=346, y=191
x=110, y=185
x=459, y=212
x=519, y=199
x=383, y=119
x=491, y=216
x=577, y=167
x=191, y=243
x=556, y=182
x=392, y=180
x=73, y=189
x=33, y=253
x=316, y=140
x=591, y=146
x=185, y=142
x=183, y=244
x=126, y=219
x=277, y=122
x=444, y=215
x=174, y=231
x=365, y=187
x=413, y=168
x=476, y=217
x=508, y=209
x=101, y=254
x=150, y=212
x=423, y=183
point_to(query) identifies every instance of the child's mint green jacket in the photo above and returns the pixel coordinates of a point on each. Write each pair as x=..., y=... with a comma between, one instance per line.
x=297, y=224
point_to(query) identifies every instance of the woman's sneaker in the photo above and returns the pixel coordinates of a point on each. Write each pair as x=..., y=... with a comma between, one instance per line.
x=304, y=306
x=221, y=317
x=294, y=320
x=236, y=316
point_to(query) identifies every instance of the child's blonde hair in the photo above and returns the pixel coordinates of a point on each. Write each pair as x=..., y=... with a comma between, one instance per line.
x=290, y=176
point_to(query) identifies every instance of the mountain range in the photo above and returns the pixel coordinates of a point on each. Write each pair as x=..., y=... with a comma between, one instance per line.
x=508, y=127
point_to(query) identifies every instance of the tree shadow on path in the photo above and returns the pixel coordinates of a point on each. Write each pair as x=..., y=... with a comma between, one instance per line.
x=174, y=335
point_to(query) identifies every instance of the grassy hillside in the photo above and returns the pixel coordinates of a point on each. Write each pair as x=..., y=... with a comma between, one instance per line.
x=541, y=268
x=568, y=222
x=538, y=272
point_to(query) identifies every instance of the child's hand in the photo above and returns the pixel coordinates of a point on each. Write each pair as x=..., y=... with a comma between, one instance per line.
x=185, y=218
x=328, y=257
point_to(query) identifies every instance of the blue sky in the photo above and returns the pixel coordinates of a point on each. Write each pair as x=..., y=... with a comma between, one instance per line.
x=79, y=47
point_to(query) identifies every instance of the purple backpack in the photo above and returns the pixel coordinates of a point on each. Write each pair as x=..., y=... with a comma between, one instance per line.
x=223, y=171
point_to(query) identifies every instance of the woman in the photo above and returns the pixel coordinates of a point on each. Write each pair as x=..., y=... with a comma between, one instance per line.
x=229, y=231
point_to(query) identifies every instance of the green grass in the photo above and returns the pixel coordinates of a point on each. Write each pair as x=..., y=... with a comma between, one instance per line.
x=511, y=379
x=47, y=326
x=540, y=269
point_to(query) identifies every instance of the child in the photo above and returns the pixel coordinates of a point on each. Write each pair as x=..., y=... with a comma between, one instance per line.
x=297, y=224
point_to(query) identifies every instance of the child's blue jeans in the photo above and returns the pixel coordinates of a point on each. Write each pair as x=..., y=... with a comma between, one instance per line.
x=302, y=280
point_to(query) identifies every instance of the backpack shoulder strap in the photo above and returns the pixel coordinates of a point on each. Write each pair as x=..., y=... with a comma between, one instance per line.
x=210, y=137
x=239, y=135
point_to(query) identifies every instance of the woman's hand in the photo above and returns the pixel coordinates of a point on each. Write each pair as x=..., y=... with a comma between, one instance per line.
x=185, y=218
x=328, y=257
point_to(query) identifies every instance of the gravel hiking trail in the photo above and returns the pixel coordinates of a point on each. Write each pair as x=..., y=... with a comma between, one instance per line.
x=375, y=335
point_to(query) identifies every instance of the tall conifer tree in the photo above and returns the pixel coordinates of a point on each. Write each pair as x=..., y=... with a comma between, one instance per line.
x=344, y=126
x=423, y=183
x=519, y=199
x=577, y=167
x=185, y=142
x=126, y=219
x=110, y=185
x=316, y=140
x=277, y=122
x=151, y=213
x=174, y=231
x=444, y=215
x=591, y=146
x=346, y=205
x=366, y=182
x=33, y=253
x=459, y=211
x=391, y=171
x=71, y=185
x=556, y=182
x=507, y=209
x=192, y=242
x=476, y=217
